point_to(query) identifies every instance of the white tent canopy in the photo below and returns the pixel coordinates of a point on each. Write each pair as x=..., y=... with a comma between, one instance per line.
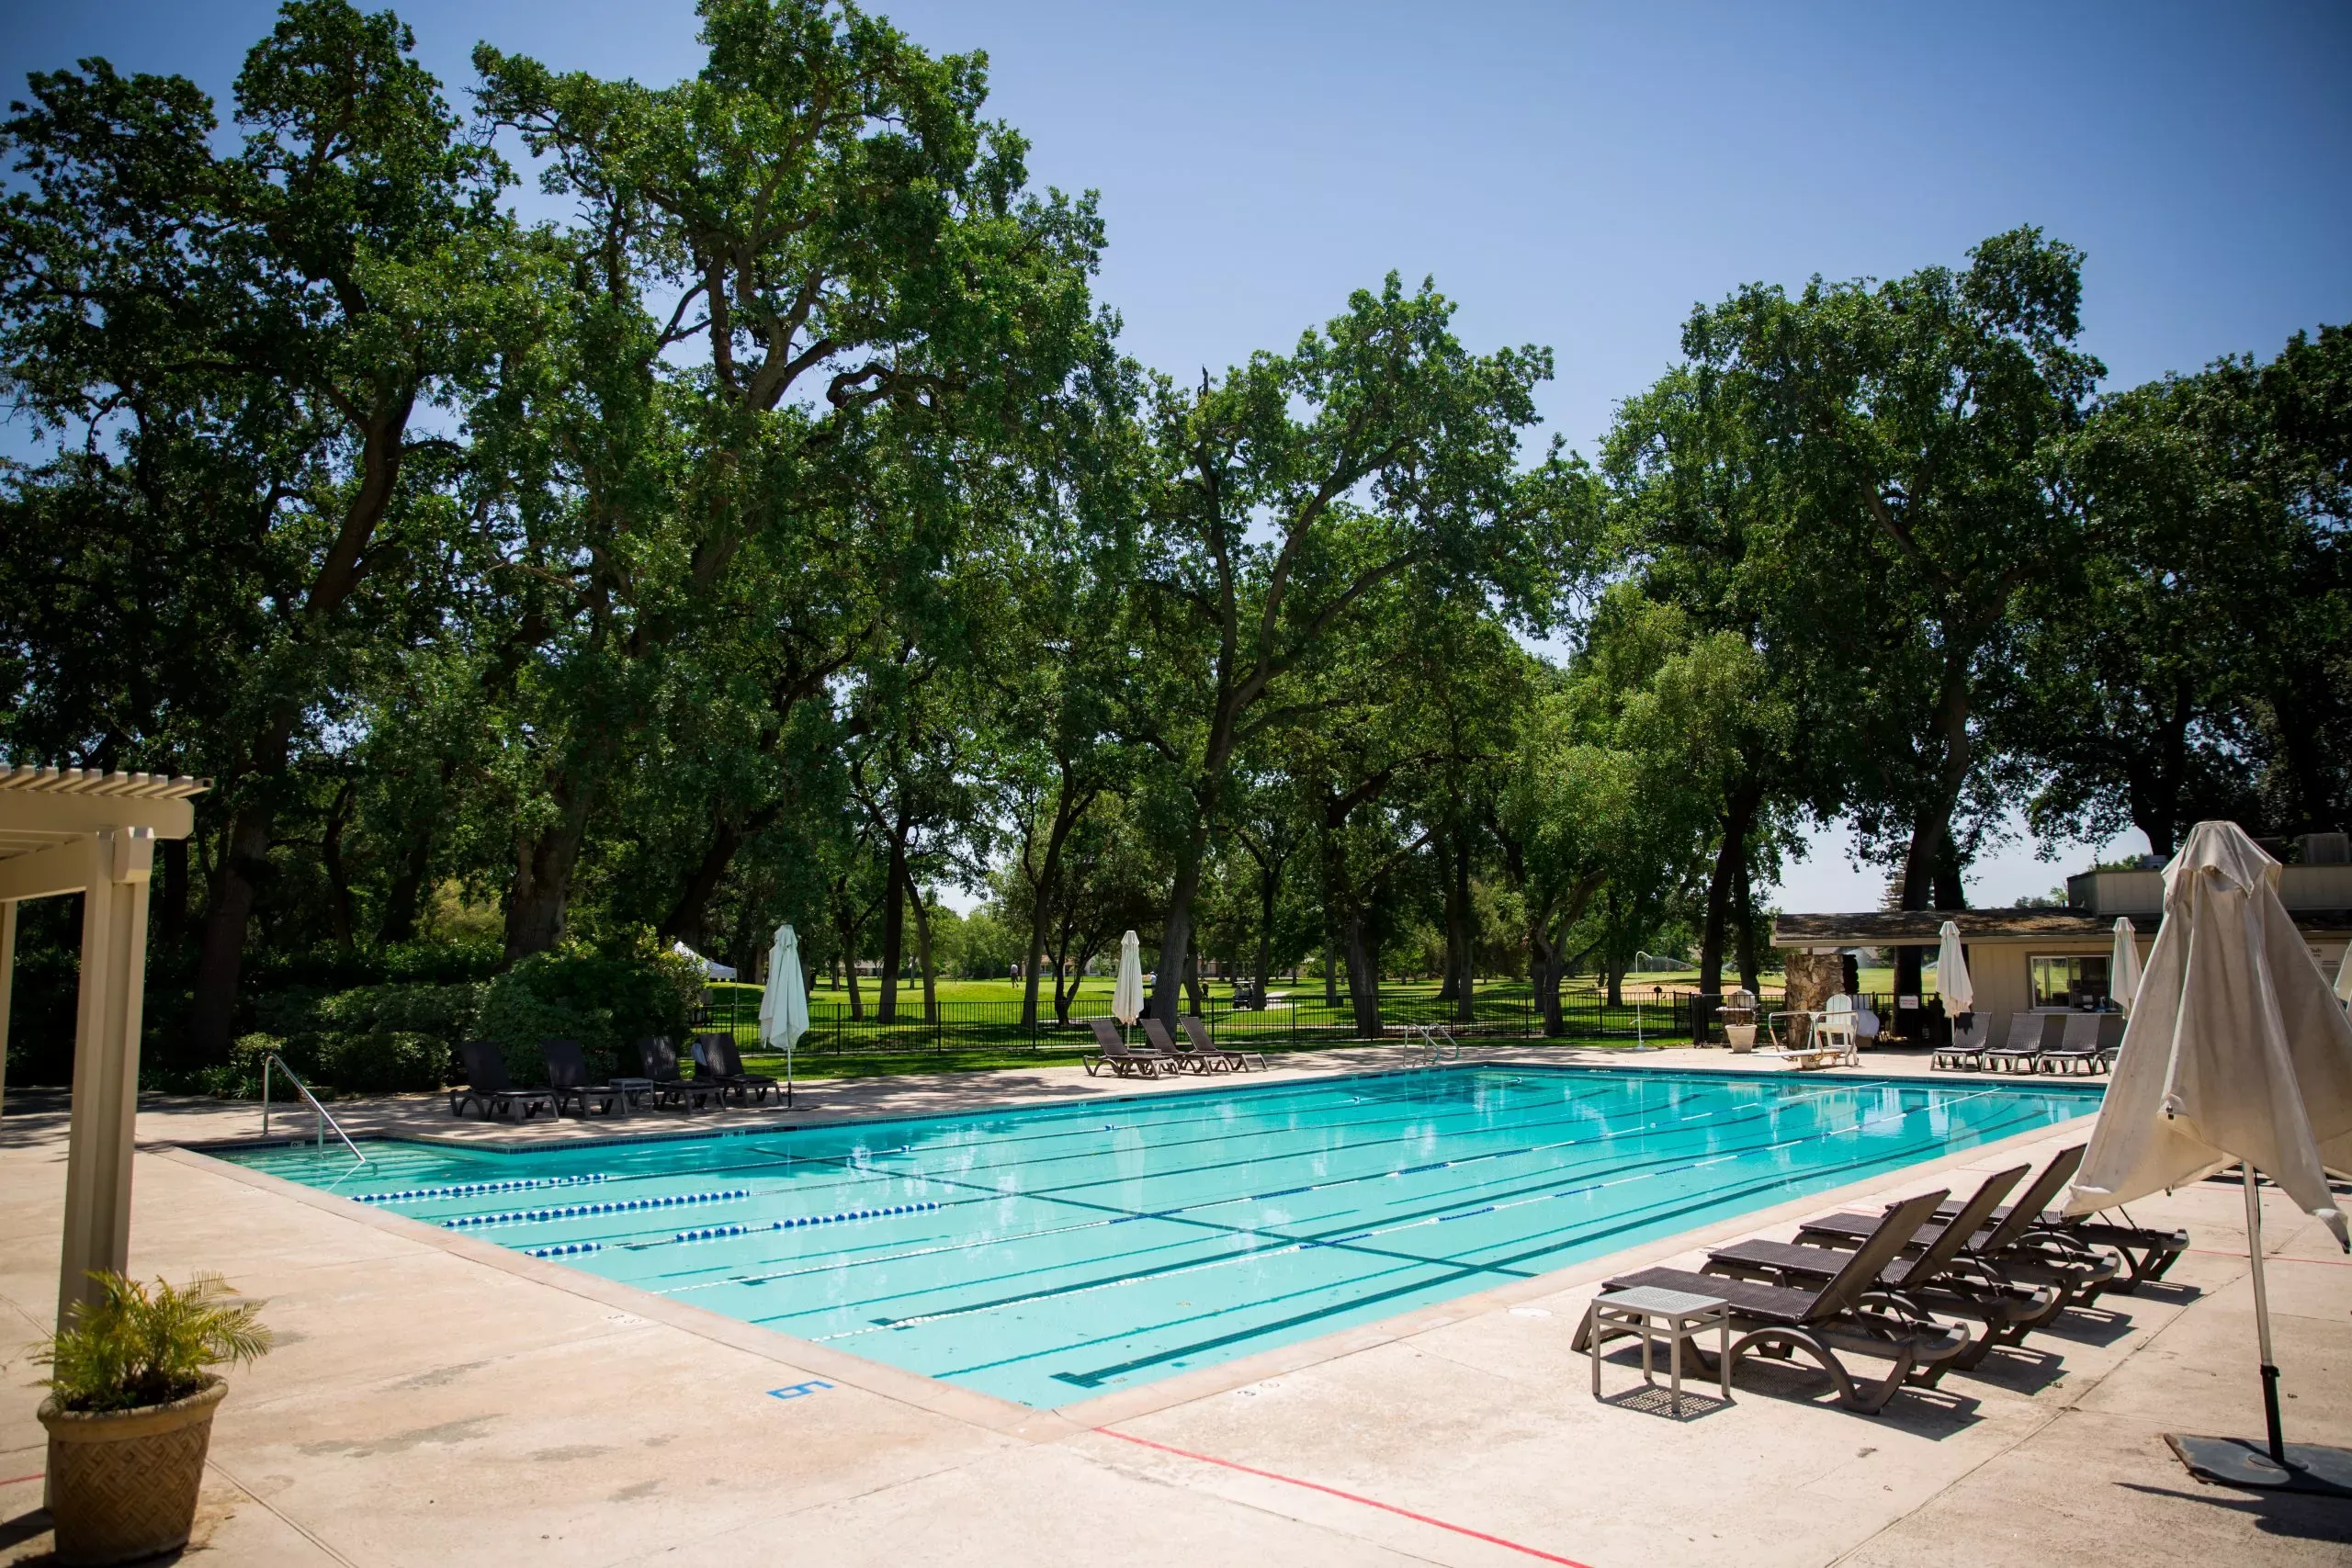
x=711, y=968
x=2236, y=1050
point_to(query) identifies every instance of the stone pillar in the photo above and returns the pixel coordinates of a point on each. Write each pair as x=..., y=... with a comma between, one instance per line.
x=105, y=1061
x=1811, y=978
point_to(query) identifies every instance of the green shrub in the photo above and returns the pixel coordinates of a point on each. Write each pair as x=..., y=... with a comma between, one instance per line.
x=386, y=1062
x=603, y=1001
x=130, y=1349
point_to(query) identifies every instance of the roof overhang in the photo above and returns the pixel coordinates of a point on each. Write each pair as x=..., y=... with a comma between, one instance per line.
x=62, y=827
x=1923, y=927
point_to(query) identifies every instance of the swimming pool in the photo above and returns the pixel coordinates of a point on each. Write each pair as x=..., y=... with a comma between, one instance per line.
x=1053, y=1254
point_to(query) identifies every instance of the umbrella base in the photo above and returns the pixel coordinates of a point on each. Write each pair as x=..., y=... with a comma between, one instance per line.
x=2241, y=1462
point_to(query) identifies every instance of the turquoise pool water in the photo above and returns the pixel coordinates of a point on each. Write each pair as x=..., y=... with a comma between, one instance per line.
x=1050, y=1255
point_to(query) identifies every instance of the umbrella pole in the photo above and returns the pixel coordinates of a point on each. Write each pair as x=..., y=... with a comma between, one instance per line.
x=787, y=1082
x=2262, y=1317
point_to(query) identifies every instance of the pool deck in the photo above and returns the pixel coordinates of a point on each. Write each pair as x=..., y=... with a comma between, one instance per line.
x=436, y=1399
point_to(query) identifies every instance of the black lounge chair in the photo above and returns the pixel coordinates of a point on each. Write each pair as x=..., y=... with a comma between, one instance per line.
x=487, y=1085
x=659, y=1060
x=2022, y=1045
x=568, y=1077
x=1197, y=1031
x=1111, y=1051
x=2084, y=1045
x=723, y=1064
x=2013, y=1246
x=1938, y=1278
x=1849, y=1312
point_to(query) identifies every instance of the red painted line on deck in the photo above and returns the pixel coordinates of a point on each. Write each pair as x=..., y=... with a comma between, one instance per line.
x=1348, y=1496
x=2275, y=1258
x=20, y=1479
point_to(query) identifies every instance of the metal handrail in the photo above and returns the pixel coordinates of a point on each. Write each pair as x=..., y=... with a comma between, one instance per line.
x=272, y=1059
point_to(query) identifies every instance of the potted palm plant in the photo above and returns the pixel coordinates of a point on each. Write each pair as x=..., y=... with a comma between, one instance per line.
x=129, y=1411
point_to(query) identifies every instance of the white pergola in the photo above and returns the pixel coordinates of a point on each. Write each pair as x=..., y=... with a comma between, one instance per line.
x=77, y=830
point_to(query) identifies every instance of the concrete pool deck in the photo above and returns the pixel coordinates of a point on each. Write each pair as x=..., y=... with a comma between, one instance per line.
x=436, y=1399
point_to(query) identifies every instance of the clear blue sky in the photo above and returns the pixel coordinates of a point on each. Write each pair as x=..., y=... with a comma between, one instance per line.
x=1580, y=176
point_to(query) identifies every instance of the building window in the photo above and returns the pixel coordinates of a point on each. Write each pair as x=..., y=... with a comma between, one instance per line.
x=2073, y=980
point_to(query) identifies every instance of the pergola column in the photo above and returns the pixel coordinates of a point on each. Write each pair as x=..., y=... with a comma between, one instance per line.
x=106, y=1061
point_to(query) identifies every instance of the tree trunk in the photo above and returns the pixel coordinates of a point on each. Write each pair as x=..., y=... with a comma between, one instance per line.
x=405, y=898
x=1931, y=827
x=1176, y=937
x=1461, y=944
x=1041, y=909
x=1266, y=889
x=1195, y=994
x=1748, y=977
x=684, y=922
x=1449, y=982
x=236, y=884
x=338, y=874
x=922, y=956
x=1543, y=967
x=541, y=895
x=171, y=911
x=1364, y=972
x=893, y=928
x=1731, y=863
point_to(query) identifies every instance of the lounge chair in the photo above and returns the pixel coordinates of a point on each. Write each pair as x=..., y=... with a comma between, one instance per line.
x=659, y=1059
x=723, y=1064
x=2021, y=1046
x=1936, y=1278
x=2146, y=1252
x=568, y=1077
x=487, y=1085
x=2081, y=1046
x=1113, y=1052
x=2014, y=1247
x=1197, y=1031
x=1849, y=1312
x=1966, y=1052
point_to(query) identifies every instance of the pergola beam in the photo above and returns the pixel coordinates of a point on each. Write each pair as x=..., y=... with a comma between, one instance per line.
x=47, y=811
x=60, y=868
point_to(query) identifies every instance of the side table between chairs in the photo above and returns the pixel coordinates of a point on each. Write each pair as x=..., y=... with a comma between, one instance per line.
x=1650, y=1315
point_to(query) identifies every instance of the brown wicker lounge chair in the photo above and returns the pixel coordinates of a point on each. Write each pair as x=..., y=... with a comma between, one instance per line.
x=2012, y=1245
x=487, y=1085
x=659, y=1060
x=1113, y=1052
x=1197, y=1031
x=1849, y=1312
x=1938, y=1278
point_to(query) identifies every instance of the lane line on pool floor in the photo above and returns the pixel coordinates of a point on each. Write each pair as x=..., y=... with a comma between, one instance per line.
x=1536, y=1551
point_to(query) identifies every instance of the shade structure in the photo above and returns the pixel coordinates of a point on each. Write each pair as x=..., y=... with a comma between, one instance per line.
x=1126, y=998
x=784, y=1006
x=711, y=969
x=1952, y=982
x=2123, y=969
x=2236, y=1052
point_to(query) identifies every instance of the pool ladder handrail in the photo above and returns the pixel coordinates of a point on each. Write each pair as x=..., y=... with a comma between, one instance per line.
x=272, y=1059
x=1438, y=1043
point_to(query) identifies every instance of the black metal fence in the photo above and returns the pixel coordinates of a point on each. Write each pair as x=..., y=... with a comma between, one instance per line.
x=1646, y=1014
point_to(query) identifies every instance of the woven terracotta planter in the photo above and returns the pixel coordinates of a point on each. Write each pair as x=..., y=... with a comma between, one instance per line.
x=122, y=1484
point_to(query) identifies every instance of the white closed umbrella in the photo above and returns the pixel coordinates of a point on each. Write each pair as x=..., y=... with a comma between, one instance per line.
x=784, y=1006
x=2236, y=1052
x=2343, y=977
x=1126, y=996
x=1952, y=982
x=2124, y=968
